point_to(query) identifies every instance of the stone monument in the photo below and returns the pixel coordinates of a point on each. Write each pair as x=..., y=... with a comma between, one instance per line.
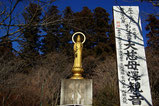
x=77, y=91
x=134, y=87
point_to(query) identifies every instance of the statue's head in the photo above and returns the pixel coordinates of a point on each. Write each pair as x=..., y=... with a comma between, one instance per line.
x=78, y=38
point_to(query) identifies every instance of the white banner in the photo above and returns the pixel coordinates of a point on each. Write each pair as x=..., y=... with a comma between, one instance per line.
x=132, y=68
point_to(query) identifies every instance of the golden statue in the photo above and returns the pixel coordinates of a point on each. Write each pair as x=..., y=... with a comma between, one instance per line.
x=77, y=67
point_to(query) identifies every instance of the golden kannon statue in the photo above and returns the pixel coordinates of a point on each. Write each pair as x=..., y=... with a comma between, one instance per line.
x=77, y=66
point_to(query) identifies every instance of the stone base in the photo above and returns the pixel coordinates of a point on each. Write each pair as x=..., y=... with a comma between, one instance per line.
x=76, y=92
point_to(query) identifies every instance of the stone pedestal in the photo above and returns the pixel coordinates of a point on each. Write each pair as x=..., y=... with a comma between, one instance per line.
x=76, y=92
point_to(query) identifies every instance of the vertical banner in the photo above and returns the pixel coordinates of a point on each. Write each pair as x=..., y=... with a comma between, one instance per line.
x=131, y=62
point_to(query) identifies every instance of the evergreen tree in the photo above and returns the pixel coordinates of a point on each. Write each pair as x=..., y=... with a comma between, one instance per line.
x=66, y=38
x=98, y=31
x=52, y=28
x=30, y=44
x=153, y=35
x=111, y=40
x=102, y=29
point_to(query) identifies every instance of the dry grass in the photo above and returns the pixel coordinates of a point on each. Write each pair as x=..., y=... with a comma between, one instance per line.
x=105, y=83
x=153, y=69
x=40, y=86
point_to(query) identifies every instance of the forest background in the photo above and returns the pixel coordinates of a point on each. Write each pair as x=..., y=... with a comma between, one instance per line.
x=36, y=51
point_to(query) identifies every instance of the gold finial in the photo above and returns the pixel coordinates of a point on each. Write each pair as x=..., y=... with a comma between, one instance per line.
x=77, y=67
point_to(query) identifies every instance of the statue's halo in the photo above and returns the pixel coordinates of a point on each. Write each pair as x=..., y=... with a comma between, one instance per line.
x=76, y=34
